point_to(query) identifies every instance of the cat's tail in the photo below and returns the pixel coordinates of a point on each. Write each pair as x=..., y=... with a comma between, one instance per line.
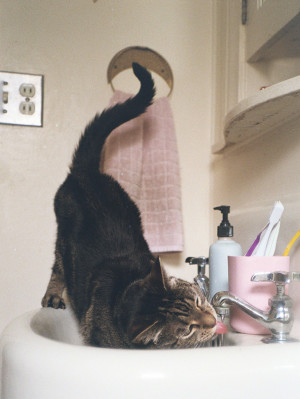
x=87, y=154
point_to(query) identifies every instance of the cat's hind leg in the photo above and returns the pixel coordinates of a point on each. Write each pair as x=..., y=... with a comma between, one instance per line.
x=53, y=297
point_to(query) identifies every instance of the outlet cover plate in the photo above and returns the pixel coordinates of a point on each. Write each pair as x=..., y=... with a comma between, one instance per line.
x=12, y=99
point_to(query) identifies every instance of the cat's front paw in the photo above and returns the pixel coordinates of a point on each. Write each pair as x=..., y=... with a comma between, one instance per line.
x=53, y=301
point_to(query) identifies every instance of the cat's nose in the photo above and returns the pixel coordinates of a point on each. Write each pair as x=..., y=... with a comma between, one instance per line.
x=209, y=321
x=204, y=320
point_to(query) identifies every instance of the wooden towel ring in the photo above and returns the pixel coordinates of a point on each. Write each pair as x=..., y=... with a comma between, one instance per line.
x=148, y=58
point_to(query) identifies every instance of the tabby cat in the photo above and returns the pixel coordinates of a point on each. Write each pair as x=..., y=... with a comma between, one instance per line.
x=120, y=293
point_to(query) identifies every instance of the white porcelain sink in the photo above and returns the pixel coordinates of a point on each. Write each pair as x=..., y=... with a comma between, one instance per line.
x=42, y=358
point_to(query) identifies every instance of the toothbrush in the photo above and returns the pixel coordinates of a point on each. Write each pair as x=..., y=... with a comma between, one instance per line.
x=271, y=246
x=253, y=249
x=291, y=243
x=255, y=242
x=273, y=220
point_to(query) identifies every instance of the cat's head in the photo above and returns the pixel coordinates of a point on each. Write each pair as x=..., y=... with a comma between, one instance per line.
x=166, y=312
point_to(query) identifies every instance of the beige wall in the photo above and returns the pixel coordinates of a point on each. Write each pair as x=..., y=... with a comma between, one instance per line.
x=71, y=43
x=252, y=177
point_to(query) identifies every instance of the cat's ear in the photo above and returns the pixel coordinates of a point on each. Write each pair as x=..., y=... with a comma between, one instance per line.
x=157, y=275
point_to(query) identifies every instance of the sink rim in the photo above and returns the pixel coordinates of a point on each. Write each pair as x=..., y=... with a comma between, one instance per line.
x=27, y=322
x=59, y=365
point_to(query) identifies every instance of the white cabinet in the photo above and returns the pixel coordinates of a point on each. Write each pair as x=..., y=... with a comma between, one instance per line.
x=272, y=29
x=257, y=68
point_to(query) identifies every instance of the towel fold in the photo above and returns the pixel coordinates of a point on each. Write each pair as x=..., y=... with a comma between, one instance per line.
x=142, y=156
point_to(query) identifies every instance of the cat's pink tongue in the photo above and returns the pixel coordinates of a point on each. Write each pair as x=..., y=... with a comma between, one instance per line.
x=221, y=328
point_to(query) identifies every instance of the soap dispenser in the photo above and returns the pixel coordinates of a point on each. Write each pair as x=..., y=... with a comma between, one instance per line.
x=218, y=254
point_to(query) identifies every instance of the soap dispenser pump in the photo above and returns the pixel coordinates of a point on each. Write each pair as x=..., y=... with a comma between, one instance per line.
x=219, y=251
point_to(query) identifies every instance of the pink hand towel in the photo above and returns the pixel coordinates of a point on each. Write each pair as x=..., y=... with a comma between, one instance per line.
x=142, y=156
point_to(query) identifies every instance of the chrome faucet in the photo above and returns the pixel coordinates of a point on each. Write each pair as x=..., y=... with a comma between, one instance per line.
x=201, y=279
x=278, y=319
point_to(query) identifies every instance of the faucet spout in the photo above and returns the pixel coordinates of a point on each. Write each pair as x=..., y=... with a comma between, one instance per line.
x=223, y=299
x=279, y=318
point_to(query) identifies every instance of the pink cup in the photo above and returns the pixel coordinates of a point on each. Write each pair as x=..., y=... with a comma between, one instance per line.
x=240, y=271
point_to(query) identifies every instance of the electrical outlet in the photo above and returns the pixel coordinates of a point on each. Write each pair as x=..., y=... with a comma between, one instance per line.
x=27, y=108
x=21, y=99
x=27, y=90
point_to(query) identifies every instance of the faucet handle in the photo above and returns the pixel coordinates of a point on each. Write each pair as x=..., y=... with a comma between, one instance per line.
x=201, y=261
x=201, y=280
x=279, y=278
x=295, y=276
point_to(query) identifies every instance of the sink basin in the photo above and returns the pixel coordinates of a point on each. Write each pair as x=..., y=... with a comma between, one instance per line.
x=43, y=357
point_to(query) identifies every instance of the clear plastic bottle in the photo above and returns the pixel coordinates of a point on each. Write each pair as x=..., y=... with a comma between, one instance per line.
x=218, y=254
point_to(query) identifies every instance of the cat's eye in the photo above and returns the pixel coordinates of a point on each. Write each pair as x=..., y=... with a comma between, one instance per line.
x=192, y=328
x=199, y=303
